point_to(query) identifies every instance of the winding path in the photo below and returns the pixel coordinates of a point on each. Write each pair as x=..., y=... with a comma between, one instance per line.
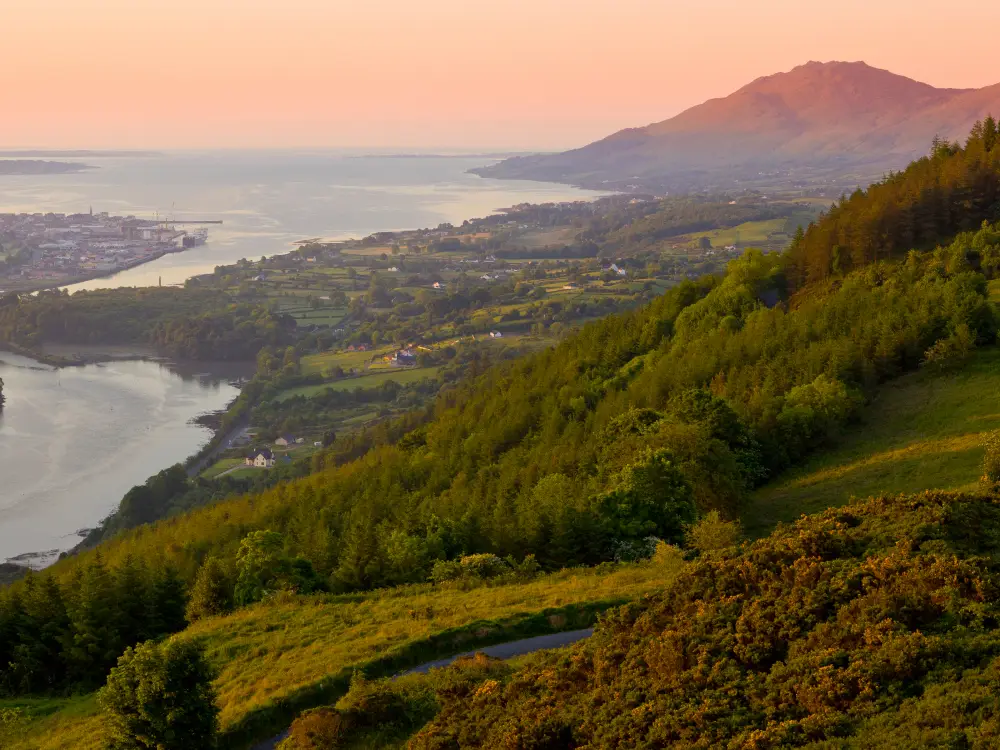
x=499, y=651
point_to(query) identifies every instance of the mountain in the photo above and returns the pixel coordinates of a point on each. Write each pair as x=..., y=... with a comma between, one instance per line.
x=816, y=121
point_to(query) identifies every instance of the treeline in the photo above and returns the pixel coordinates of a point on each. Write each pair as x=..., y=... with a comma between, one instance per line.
x=954, y=189
x=188, y=323
x=677, y=216
x=867, y=626
x=60, y=633
x=584, y=453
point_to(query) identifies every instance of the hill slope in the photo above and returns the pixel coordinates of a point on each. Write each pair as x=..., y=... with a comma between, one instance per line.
x=819, y=116
x=869, y=626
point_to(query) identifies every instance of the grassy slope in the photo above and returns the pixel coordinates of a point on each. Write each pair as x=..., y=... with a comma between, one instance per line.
x=278, y=659
x=923, y=432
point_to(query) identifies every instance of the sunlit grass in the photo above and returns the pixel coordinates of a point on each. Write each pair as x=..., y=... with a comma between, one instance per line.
x=923, y=432
x=276, y=659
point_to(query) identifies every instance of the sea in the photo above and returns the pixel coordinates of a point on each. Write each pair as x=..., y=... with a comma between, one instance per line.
x=74, y=440
x=269, y=200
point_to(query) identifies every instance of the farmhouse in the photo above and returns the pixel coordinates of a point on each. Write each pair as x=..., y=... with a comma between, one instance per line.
x=262, y=459
x=285, y=440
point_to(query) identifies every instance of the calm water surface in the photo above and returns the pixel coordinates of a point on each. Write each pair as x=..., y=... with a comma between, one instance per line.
x=268, y=200
x=74, y=440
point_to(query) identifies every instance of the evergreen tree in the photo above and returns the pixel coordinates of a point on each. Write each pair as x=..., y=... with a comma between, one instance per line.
x=132, y=597
x=37, y=664
x=94, y=642
x=167, y=601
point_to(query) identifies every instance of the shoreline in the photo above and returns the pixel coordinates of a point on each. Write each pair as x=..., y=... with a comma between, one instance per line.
x=18, y=566
x=71, y=280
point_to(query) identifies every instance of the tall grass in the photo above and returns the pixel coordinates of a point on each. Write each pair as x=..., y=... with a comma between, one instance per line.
x=276, y=659
x=924, y=432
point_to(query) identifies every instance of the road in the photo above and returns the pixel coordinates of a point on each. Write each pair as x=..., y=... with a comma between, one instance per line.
x=500, y=651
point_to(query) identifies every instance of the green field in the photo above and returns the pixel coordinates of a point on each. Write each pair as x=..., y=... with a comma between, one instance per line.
x=221, y=466
x=315, y=363
x=373, y=380
x=922, y=432
x=752, y=232
x=275, y=660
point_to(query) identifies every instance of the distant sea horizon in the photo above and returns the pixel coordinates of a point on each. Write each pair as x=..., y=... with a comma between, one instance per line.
x=269, y=199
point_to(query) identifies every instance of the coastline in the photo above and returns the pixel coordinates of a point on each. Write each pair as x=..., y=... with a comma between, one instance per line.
x=215, y=436
x=49, y=284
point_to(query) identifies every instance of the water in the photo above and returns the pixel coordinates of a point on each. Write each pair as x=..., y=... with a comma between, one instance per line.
x=270, y=199
x=74, y=440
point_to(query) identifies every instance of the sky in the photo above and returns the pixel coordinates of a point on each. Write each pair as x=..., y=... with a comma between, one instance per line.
x=434, y=74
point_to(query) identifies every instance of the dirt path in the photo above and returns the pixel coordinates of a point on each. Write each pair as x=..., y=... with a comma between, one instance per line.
x=500, y=651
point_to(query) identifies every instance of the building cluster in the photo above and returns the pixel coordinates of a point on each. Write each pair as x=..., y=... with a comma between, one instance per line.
x=36, y=248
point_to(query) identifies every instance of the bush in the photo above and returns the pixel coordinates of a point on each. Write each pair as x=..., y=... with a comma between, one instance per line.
x=212, y=593
x=713, y=533
x=991, y=461
x=483, y=566
x=952, y=352
x=668, y=556
x=318, y=729
x=160, y=696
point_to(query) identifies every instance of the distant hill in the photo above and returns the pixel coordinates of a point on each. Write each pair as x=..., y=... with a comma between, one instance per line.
x=817, y=121
x=38, y=166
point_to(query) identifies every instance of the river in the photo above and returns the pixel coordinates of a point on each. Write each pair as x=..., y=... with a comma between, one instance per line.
x=268, y=200
x=74, y=440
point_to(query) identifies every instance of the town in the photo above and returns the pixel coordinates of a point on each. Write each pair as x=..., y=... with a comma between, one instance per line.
x=40, y=251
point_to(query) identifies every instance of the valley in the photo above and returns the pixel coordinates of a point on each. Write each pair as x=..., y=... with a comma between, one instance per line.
x=545, y=414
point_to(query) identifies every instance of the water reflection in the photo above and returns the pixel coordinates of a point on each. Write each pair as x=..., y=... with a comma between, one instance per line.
x=74, y=440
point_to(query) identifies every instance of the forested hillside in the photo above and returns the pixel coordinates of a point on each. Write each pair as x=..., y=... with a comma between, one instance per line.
x=953, y=190
x=621, y=436
x=186, y=323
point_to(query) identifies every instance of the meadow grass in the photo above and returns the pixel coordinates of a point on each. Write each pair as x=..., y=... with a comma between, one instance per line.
x=751, y=231
x=277, y=659
x=314, y=363
x=400, y=375
x=221, y=466
x=924, y=431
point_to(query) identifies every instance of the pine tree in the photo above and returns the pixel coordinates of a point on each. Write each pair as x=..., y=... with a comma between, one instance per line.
x=132, y=599
x=167, y=601
x=37, y=664
x=94, y=643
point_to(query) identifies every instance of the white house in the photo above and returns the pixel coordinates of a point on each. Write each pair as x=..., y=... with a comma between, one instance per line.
x=262, y=459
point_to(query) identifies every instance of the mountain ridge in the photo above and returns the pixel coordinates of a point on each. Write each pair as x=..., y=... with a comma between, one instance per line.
x=815, y=118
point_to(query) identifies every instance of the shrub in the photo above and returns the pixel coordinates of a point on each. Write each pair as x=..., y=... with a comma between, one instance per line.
x=212, y=593
x=713, y=533
x=318, y=729
x=952, y=352
x=668, y=556
x=160, y=696
x=991, y=461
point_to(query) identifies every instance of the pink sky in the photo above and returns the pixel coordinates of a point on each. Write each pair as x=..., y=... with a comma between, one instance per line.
x=435, y=73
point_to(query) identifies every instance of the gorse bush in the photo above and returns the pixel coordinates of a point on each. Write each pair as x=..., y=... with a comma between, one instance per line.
x=991, y=461
x=872, y=625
